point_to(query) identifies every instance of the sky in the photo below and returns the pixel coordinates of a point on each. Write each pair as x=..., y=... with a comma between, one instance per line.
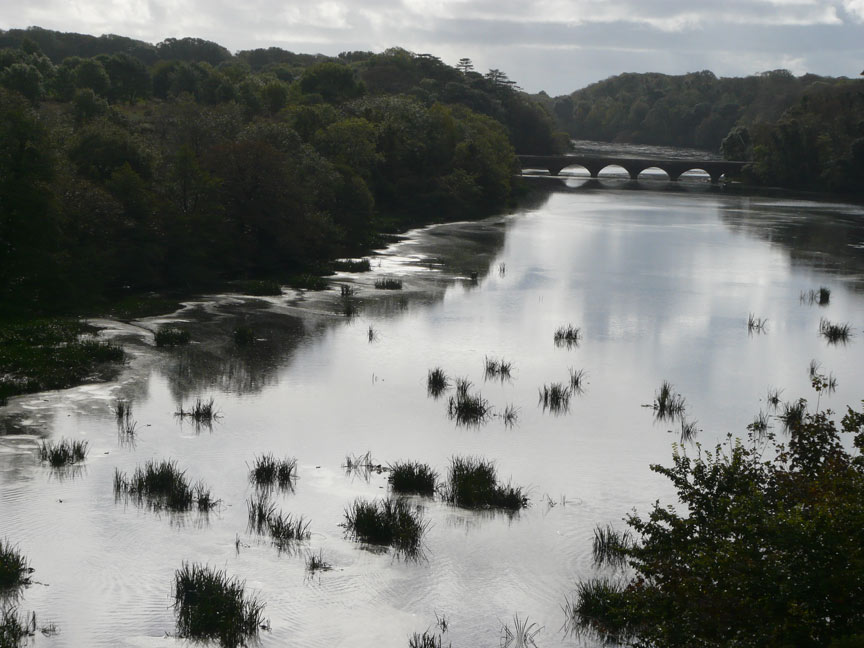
x=553, y=45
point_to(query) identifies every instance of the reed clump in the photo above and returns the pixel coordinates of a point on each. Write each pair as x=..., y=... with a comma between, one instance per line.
x=822, y=296
x=316, y=562
x=284, y=529
x=170, y=336
x=436, y=382
x=308, y=282
x=202, y=411
x=522, y=635
x=472, y=482
x=391, y=522
x=835, y=333
x=14, y=569
x=555, y=397
x=63, y=453
x=568, y=336
x=510, y=415
x=267, y=471
x=578, y=381
x=497, y=368
x=668, y=404
x=756, y=324
x=351, y=265
x=412, y=477
x=609, y=546
x=15, y=628
x=162, y=485
x=792, y=415
x=212, y=606
x=598, y=606
x=388, y=283
x=426, y=640
x=467, y=408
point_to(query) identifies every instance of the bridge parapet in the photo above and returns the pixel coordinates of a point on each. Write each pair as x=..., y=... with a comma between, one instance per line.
x=554, y=164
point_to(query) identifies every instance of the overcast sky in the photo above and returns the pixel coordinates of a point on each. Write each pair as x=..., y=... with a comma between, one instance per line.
x=552, y=45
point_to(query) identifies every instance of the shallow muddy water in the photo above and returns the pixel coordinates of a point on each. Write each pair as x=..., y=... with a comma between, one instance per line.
x=661, y=284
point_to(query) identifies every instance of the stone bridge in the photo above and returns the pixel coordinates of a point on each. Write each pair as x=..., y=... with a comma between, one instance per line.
x=634, y=166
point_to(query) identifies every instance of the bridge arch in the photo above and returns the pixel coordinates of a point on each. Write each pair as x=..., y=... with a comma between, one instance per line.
x=576, y=166
x=653, y=172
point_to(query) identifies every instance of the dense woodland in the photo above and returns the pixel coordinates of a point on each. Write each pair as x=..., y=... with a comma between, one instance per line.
x=800, y=132
x=128, y=167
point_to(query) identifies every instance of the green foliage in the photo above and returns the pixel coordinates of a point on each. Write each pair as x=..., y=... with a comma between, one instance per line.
x=472, y=482
x=764, y=552
x=334, y=82
x=163, y=485
x=390, y=522
x=14, y=569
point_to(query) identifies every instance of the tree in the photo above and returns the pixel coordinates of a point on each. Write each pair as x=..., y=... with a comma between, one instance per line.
x=766, y=552
x=465, y=65
x=333, y=81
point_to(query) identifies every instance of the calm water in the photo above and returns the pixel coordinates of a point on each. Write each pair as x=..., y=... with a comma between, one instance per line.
x=661, y=285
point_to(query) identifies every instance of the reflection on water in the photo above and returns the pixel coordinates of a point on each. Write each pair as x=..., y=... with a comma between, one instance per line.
x=660, y=286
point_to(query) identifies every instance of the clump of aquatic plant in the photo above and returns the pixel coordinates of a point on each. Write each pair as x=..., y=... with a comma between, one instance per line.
x=813, y=368
x=822, y=296
x=472, y=482
x=756, y=324
x=598, y=607
x=774, y=399
x=372, y=333
x=316, y=562
x=163, y=485
x=412, y=477
x=283, y=528
x=388, y=283
x=63, y=453
x=567, y=336
x=436, y=382
x=510, y=415
x=15, y=628
x=14, y=569
x=467, y=408
x=502, y=269
x=497, y=368
x=667, y=403
x=349, y=308
x=122, y=409
x=578, y=380
x=260, y=509
x=351, y=265
x=792, y=415
x=426, y=640
x=521, y=635
x=390, y=522
x=267, y=470
x=308, y=282
x=201, y=411
x=555, y=397
x=760, y=424
x=172, y=336
x=609, y=546
x=688, y=430
x=363, y=464
x=243, y=336
x=834, y=333
x=212, y=606
x=347, y=291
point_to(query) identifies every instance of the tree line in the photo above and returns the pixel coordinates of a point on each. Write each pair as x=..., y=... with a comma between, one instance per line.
x=121, y=174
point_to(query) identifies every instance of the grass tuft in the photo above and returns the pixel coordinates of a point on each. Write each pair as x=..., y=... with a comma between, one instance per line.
x=63, y=453
x=390, y=522
x=169, y=336
x=792, y=415
x=14, y=568
x=347, y=291
x=598, y=607
x=351, y=265
x=609, y=547
x=163, y=485
x=210, y=605
x=308, y=282
x=522, y=635
x=760, y=424
x=835, y=333
x=774, y=399
x=201, y=411
x=412, y=477
x=472, y=482
x=283, y=528
x=267, y=471
x=425, y=640
x=388, y=283
x=436, y=382
x=822, y=296
x=756, y=324
x=316, y=562
x=688, y=430
x=15, y=629
x=510, y=415
x=555, y=397
x=567, y=336
x=668, y=405
x=467, y=408
x=578, y=380
x=497, y=368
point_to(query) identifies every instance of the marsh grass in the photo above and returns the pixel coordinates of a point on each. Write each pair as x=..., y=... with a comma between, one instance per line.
x=578, y=381
x=351, y=265
x=596, y=609
x=362, y=464
x=347, y=291
x=555, y=397
x=63, y=453
x=122, y=409
x=822, y=296
x=521, y=635
x=567, y=336
x=388, y=283
x=436, y=382
x=267, y=471
x=210, y=605
x=162, y=485
x=283, y=529
x=426, y=640
x=391, y=522
x=502, y=269
x=467, y=408
x=609, y=546
x=372, y=333
x=510, y=415
x=835, y=333
x=15, y=628
x=170, y=336
x=201, y=411
x=668, y=405
x=756, y=324
x=260, y=508
x=316, y=562
x=792, y=415
x=472, y=482
x=760, y=424
x=308, y=282
x=689, y=430
x=773, y=398
x=412, y=477
x=243, y=336
x=497, y=368
x=14, y=569
x=349, y=308
x=44, y=354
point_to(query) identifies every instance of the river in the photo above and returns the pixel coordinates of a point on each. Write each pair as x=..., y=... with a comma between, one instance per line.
x=661, y=284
